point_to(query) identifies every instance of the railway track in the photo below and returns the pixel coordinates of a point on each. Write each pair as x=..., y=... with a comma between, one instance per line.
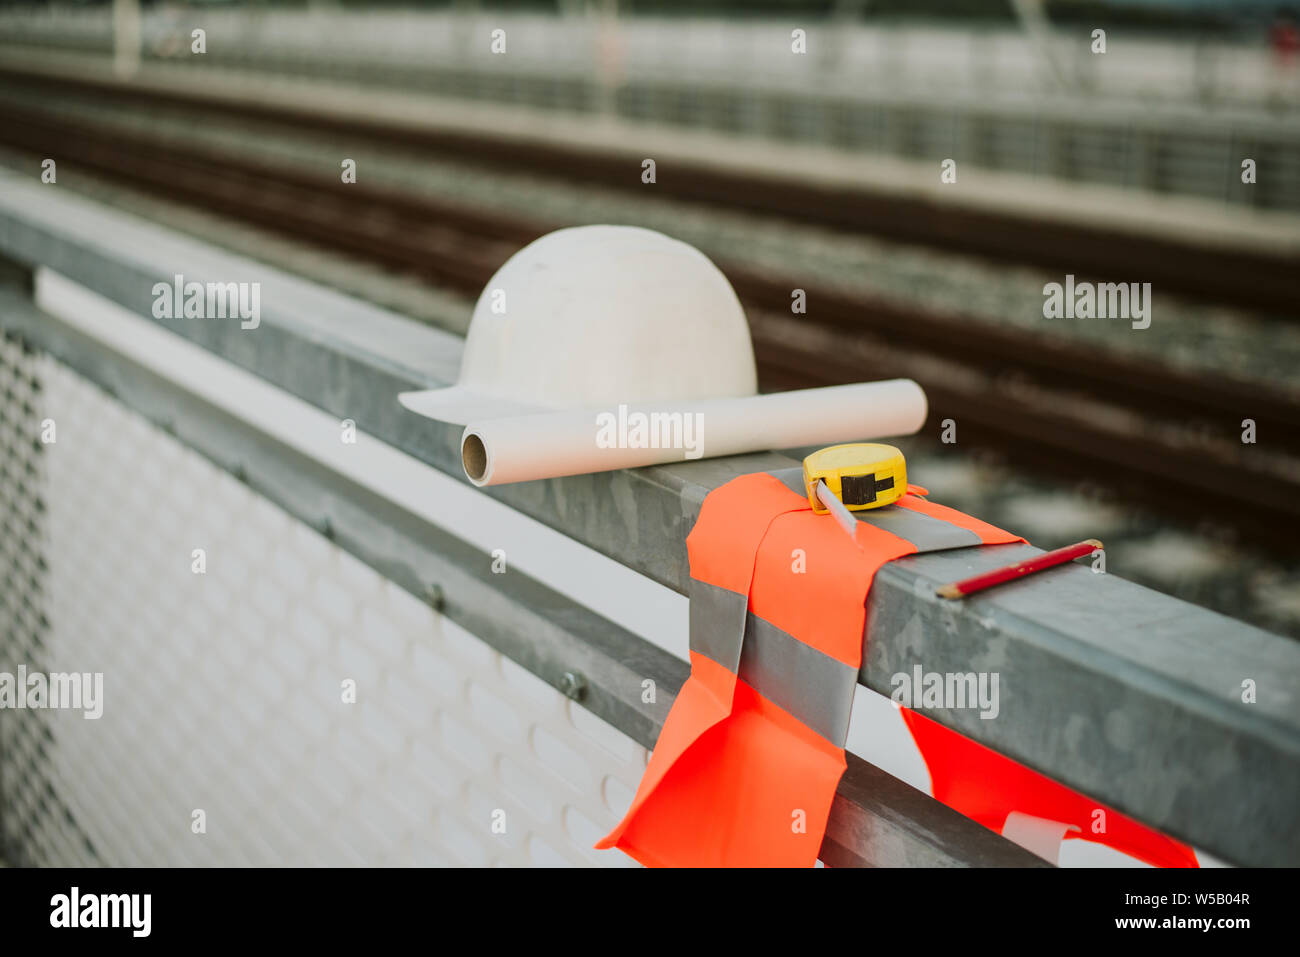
x=1153, y=434
x=1254, y=280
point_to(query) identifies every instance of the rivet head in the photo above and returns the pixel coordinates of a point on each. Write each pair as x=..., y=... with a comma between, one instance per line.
x=573, y=685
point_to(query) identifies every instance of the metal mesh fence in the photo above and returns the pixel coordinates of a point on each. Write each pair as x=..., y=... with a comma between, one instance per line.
x=225, y=674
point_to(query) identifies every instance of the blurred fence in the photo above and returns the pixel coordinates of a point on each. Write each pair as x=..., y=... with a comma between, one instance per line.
x=843, y=57
x=1162, y=115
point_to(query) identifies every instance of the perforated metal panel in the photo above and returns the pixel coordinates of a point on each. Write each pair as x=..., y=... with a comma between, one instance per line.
x=224, y=691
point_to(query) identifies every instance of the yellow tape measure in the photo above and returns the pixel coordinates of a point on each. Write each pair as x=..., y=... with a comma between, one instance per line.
x=861, y=475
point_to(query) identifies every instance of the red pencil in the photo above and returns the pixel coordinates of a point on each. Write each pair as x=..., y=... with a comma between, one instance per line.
x=1019, y=569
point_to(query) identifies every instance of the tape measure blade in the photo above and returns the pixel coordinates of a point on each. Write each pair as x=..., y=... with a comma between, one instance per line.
x=838, y=509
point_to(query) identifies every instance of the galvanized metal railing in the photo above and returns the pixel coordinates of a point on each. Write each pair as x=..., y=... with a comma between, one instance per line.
x=1127, y=695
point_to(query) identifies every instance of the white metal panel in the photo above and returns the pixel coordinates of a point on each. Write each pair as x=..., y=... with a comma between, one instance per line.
x=223, y=690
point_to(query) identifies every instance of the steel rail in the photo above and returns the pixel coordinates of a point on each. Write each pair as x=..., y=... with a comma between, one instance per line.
x=1256, y=279
x=459, y=247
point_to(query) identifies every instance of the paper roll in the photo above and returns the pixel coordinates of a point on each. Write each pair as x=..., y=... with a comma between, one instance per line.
x=551, y=444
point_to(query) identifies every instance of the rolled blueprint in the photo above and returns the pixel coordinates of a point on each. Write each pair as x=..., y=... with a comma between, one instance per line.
x=551, y=444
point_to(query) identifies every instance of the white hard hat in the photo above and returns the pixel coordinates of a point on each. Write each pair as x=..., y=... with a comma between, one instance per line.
x=594, y=316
